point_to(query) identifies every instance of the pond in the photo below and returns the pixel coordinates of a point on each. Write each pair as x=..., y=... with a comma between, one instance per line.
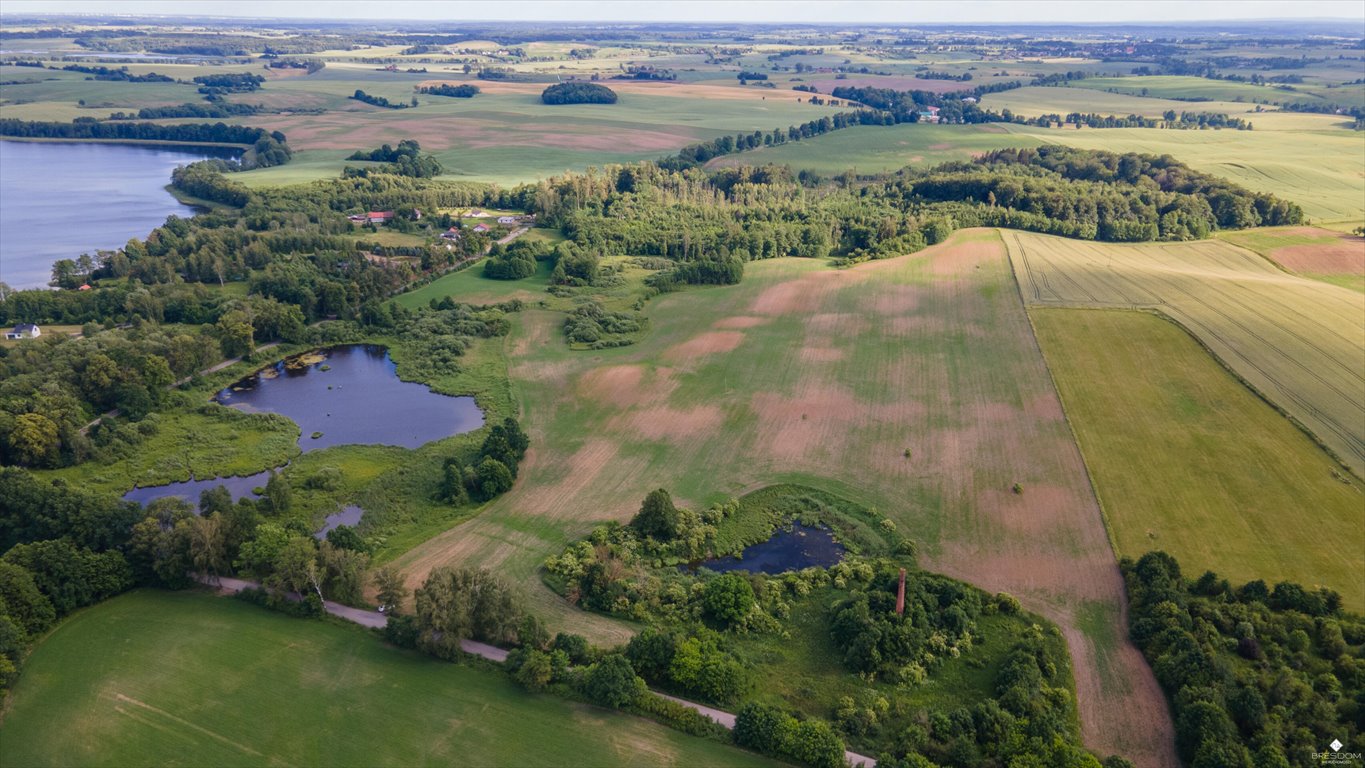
x=62, y=199
x=351, y=395
x=349, y=515
x=189, y=490
x=801, y=547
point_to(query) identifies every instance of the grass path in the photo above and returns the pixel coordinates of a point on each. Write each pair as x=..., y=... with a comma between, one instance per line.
x=826, y=377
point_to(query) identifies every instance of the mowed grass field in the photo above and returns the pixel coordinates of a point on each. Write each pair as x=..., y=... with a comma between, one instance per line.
x=803, y=373
x=1187, y=459
x=160, y=678
x=1298, y=342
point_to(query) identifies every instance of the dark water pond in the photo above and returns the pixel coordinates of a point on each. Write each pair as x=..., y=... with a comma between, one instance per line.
x=349, y=515
x=801, y=547
x=59, y=200
x=189, y=490
x=351, y=395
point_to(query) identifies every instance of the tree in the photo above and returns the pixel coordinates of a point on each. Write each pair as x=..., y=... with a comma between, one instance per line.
x=344, y=572
x=391, y=588
x=296, y=567
x=258, y=555
x=455, y=604
x=493, y=478
x=277, y=493
x=657, y=518
x=33, y=441
x=535, y=672
x=728, y=598
x=159, y=549
x=532, y=633
x=612, y=682
x=207, y=544
x=23, y=601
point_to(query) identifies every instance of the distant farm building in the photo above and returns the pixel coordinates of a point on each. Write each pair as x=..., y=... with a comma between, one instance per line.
x=24, y=331
x=969, y=100
x=451, y=234
x=475, y=214
x=507, y=219
x=481, y=227
x=379, y=217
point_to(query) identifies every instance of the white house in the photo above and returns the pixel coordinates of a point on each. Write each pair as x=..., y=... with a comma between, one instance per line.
x=507, y=219
x=24, y=331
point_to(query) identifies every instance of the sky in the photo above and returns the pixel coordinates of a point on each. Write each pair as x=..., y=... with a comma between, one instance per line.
x=721, y=11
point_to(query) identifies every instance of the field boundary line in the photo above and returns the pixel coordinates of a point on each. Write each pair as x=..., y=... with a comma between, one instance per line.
x=1333, y=455
x=1066, y=415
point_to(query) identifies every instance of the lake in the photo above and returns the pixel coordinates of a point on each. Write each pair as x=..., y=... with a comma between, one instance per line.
x=61, y=199
x=801, y=547
x=352, y=395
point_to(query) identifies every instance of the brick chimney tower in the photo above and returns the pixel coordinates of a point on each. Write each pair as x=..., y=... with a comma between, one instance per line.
x=900, y=596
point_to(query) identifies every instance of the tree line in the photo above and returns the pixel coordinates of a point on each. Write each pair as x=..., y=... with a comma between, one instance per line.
x=462, y=91
x=268, y=148
x=380, y=101
x=1257, y=675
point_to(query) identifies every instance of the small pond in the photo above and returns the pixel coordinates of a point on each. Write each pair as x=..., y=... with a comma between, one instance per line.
x=789, y=550
x=349, y=515
x=351, y=395
x=189, y=490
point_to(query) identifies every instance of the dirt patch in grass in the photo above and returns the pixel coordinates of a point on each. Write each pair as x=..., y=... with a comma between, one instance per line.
x=896, y=299
x=626, y=386
x=739, y=322
x=709, y=343
x=1344, y=256
x=802, y=295
x=671, y=424
x=963, y=257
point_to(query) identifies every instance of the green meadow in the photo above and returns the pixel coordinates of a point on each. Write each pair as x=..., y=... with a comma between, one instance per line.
x=185, y=678
x=1187, y=459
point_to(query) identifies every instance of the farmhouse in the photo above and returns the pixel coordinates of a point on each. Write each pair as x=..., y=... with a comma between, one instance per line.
x=451, y=234
x=481, y=227
x=24, y=331
x=507, y=219
x=379, y=217
x=474, y=214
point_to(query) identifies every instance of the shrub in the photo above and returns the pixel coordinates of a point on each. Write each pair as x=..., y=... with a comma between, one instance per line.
x=728, y=598
x=613, y=682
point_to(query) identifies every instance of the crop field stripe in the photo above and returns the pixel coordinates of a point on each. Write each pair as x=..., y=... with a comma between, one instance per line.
x=1299, y=343
x=1185, y=458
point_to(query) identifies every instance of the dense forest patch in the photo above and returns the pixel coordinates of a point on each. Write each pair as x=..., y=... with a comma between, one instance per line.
x=578, y=93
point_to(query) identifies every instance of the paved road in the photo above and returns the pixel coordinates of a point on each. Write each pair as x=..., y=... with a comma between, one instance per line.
x=377, y=620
